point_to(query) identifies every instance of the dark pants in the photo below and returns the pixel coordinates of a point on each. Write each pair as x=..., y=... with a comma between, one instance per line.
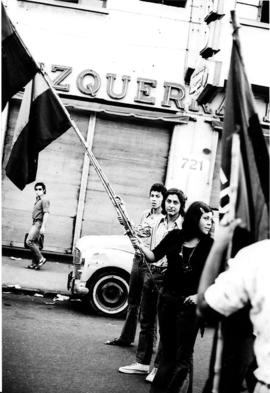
x=238, y=360
x=238, y=357
x=32, y=241
x=178, y=331
x=148, y=317
x=134, y=299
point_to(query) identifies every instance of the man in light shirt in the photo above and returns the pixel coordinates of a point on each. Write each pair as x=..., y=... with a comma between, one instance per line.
x=245, y=282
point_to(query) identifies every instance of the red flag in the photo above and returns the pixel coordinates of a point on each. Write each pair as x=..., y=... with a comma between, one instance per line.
x=240, y=117
x=41, y=120
x=18, y=68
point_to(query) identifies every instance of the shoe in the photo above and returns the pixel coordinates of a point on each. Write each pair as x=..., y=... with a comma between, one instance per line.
x=41, y=263
x=150, y=377
x=135, y=368
x=32, y=266
x=118, y=342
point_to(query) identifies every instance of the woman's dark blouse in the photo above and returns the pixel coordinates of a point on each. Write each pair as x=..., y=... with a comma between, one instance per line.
x=176, y=280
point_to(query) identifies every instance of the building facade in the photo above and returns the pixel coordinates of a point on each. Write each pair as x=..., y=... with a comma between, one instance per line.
x=144, y=82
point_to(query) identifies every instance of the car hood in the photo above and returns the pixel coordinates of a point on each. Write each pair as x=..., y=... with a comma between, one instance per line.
x=102, y=242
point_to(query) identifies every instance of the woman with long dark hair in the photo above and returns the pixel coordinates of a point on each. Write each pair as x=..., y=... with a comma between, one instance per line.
x=186, y=251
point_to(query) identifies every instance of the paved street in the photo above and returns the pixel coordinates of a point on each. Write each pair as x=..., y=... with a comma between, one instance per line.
x=55, y=347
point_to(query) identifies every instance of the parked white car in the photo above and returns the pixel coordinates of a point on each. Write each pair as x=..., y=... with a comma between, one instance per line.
x=101, y=271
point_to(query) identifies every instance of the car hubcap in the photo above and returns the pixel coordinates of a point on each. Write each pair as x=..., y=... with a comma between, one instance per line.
x=110, y=294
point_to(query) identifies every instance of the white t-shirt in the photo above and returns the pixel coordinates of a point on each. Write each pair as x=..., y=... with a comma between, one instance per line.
x=248, y=281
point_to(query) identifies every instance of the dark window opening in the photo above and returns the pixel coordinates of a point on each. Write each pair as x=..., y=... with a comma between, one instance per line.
x=70, y=1
x=264, y=17
x=99, y=3
x=173, y=3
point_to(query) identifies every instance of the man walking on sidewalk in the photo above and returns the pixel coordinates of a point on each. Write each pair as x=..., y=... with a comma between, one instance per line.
x=40, y=216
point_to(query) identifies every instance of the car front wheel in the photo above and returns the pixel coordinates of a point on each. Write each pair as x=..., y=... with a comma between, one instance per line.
x=108, y=293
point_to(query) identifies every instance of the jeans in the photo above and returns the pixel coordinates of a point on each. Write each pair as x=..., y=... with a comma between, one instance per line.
x=178, y=331
x=32, y=241
x=134, y=299
x=148, y=317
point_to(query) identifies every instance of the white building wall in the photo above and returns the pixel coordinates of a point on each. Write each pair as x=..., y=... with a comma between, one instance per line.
x=130, y=38
x=137, y=39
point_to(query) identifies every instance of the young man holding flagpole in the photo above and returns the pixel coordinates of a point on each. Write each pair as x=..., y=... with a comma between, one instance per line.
x=148, y=221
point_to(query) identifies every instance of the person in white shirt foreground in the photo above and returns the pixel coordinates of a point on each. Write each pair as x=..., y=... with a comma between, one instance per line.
x=247, y=281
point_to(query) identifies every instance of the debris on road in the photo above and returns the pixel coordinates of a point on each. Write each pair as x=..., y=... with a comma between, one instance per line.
x=16, y=259
x=60, y=298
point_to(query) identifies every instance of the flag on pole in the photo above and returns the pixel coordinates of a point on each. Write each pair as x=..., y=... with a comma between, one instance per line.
x=236, y=360
x=252, y=204
x=40, y=121
x=18, y=67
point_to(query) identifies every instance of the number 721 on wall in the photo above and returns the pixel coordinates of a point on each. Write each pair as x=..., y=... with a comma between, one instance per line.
x=191, y=163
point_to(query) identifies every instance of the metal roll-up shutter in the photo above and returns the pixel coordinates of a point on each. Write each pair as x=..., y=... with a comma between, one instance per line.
x=133, y=155
x=59, y=167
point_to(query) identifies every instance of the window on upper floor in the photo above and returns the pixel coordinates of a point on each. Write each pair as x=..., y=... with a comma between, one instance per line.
x=253, y=9
x=173, y=3
x=264, y=12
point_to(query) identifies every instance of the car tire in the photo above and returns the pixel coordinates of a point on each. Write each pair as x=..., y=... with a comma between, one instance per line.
x=108, y=293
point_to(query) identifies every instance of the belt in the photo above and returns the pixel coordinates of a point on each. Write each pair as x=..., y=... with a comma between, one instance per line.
x=157, y=269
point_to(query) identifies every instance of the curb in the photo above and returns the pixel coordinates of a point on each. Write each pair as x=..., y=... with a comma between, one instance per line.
x=25, y=253
x=34, y=291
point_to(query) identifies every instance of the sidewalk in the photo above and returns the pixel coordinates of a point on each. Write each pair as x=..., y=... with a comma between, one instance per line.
x=50, y=279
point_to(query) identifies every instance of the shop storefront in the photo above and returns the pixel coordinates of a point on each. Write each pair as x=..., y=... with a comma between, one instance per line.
x=141, y=130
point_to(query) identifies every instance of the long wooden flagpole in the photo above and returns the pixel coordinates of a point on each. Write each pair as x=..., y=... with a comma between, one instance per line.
x=116, y=200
